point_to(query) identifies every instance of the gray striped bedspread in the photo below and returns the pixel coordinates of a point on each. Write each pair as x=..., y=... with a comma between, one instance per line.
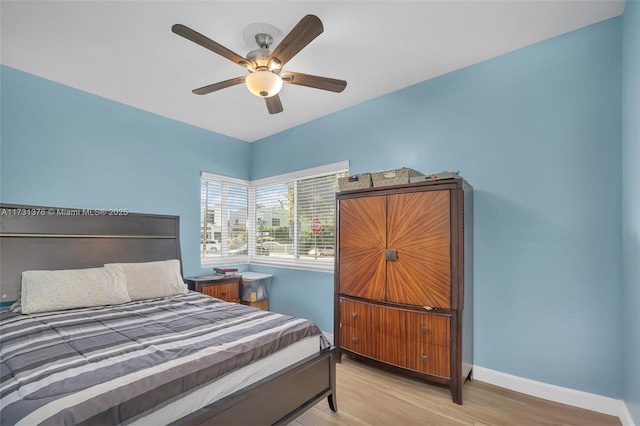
x=111, y=365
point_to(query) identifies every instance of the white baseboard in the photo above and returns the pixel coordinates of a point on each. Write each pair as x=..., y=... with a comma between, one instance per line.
x=626, y=418
x=576, y=398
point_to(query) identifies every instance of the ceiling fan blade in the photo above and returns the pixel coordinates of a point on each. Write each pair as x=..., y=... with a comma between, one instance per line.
x=207, y=43
x=273, y=104
x=324, y=83
x=217, y=86
x=302, y=34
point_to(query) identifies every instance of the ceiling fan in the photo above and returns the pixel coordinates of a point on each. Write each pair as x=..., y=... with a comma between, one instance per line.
x=265, y=76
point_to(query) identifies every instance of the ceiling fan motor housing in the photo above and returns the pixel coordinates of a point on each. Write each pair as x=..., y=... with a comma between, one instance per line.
x=260, y=57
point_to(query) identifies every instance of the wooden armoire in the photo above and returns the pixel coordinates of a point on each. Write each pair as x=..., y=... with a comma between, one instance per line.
x=403, y=279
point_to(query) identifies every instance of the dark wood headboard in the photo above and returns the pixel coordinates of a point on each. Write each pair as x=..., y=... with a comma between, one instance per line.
x=52, y=238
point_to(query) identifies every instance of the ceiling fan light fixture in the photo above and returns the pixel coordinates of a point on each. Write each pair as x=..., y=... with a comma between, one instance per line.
x=264, y=83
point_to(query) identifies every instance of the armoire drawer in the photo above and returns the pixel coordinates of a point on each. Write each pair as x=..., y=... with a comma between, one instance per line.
x=425, y=358
x=429, y=359
x=421, y=327
x=359, y=340
x=426, y=328
x=358, y=314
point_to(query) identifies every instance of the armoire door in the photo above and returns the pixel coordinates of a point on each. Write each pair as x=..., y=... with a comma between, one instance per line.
x=362, y=233
x=419, y=230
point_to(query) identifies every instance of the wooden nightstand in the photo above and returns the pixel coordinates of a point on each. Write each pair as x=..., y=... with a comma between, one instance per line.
x=222, y=287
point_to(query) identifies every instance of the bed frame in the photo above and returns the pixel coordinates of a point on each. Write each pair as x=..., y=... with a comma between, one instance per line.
x=51, y=238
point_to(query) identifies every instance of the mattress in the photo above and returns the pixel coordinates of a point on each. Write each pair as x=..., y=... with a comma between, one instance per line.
x=139, y=361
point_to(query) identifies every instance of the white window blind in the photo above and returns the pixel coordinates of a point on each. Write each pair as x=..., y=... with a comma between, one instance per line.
x=285, y=220
x=224, y=219
x=295, y=215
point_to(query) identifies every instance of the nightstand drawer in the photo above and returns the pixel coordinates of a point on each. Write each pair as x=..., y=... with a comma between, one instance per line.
x=229, y=292
x=221, y=287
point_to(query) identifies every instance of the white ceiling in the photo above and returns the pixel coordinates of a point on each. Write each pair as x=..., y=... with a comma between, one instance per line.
x=125, y=50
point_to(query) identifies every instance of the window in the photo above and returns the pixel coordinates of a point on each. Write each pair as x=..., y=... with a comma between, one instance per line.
x=224, y=217
x=289, y=218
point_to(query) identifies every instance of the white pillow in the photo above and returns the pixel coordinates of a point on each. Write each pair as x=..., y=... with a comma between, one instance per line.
x=150, y=280
x=44, y=291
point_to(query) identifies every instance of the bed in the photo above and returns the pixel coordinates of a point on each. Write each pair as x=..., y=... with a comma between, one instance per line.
x=186, y=358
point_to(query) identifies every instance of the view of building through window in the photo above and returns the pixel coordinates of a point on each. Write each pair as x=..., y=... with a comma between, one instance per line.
x=224, y=213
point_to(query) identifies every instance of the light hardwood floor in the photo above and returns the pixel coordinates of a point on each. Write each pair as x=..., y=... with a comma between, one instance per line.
x=371, y=396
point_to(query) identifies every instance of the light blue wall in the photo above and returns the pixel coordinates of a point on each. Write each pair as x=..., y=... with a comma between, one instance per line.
x=537, y=133
x=63, y=147
x=301, y=293
x=631, y=207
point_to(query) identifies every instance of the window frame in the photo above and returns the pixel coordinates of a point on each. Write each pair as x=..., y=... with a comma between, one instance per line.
x=326, y=264
x=225, y=181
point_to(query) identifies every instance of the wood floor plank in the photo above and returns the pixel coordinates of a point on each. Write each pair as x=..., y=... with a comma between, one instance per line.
x=372, y=396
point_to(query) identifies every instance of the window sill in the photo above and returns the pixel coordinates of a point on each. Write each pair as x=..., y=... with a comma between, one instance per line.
x=264, y=261
x=299, y=264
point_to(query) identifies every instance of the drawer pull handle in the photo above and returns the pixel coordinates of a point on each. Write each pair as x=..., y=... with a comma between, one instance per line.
x=424, y=358
x=425, y=329
x=354, y=340
x=354, y=314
